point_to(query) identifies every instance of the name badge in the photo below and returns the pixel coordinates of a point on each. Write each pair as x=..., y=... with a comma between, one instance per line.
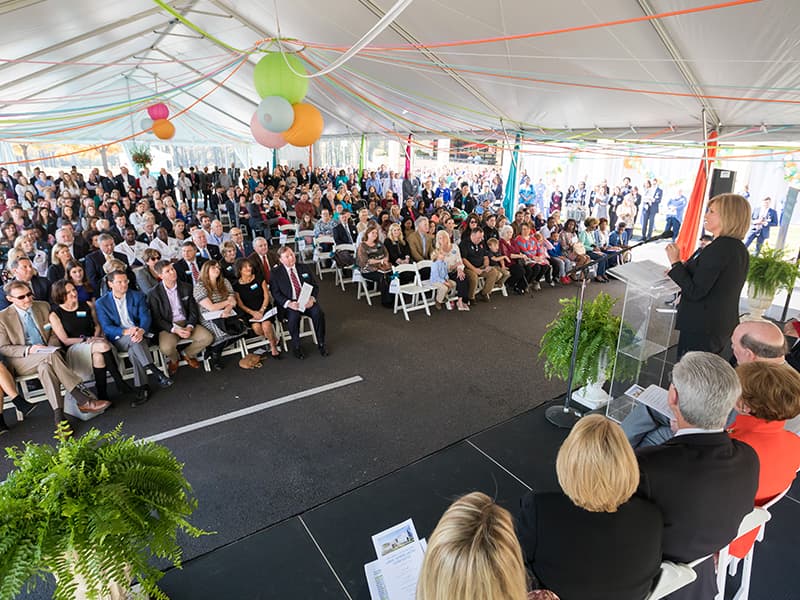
x=254, y=286
x=47, y=327
x=189, y=272
x=80, y=313
x=305, y=275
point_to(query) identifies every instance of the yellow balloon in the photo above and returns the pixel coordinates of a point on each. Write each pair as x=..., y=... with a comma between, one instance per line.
x=306, y=127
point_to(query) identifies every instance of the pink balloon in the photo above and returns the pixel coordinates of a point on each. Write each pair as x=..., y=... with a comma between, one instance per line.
x=264, y=137
x=158, y=111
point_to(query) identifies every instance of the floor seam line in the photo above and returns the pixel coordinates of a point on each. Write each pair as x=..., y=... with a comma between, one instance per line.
x=325, y=558
x=499, y=465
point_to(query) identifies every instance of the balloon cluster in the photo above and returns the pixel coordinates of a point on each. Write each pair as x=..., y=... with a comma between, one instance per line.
x=158, y=122
x=281, y=118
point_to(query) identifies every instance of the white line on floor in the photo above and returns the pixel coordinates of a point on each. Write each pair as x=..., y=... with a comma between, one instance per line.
x=499, y=465
x=253, y=409
x=330, y=566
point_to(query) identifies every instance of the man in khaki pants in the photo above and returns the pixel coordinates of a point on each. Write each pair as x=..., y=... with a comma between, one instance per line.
x=28, y=342
x=475, y=255
x=175, y=315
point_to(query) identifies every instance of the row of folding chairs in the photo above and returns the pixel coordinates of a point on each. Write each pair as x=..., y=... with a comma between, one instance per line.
x=241, y=347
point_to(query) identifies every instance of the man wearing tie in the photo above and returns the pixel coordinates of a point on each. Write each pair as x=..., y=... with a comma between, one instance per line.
x=205, y=250
x=261, y=259
x=189, y=266
x=26, y=341
x=286, y=286
x=762, y=220
x=125, y=319
x=243, y=247
x=95, y=261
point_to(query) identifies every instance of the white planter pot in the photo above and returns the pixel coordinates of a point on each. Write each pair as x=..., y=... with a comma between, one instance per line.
x=758, y=305
x=592, y=395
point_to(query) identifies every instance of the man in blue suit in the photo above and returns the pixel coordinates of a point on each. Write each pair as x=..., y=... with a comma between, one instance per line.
x=125, y=319
x=762, y=219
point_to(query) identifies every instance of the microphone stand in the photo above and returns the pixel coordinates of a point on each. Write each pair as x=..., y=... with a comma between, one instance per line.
x=565, y=416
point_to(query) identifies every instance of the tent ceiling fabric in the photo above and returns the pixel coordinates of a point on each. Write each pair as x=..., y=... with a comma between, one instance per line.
x=748, y=51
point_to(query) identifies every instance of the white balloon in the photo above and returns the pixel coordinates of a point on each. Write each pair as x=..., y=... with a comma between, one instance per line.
x=275, y=114
x=146, y=123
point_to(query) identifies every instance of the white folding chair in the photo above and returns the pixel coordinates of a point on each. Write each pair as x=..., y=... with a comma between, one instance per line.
x=286, y=234
x=753, y=520
x=365, y=288
x=340, y=278
x=416, y=290
x=302, y=248
x=673, y=577
x=306, y=330
x=322, y=256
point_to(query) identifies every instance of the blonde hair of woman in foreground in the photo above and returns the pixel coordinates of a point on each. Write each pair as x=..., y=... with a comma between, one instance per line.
x=473, y=553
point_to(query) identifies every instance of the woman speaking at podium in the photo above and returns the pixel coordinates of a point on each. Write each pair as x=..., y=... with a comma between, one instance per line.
x=711, y=280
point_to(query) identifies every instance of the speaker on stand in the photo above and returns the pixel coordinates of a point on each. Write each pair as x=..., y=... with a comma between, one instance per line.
x=722, y=182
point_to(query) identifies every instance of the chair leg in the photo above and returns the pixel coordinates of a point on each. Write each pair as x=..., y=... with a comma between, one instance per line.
x=747, y=569
x=722, y=573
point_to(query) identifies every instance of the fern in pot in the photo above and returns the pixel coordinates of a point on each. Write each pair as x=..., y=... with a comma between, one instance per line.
x=93, y=511
x=597, y=345
x=768, y=272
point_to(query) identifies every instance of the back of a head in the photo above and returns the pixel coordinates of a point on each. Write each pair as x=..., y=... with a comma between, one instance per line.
x=596, y=466
x=769, y=391
x=707, y=389
x=473, y=553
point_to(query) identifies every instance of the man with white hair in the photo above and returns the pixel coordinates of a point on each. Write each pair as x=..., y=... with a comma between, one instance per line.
x=703, y=481
x=216, y=235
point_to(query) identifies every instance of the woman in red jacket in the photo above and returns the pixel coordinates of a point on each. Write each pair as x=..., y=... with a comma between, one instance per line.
x=770, y=396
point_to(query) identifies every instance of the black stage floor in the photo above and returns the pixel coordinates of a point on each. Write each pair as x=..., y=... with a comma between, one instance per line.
x=411, y=416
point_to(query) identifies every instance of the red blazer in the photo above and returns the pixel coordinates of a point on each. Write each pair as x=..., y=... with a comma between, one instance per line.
x=778, y=453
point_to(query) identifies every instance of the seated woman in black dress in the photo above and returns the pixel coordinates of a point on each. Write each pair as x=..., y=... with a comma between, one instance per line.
x=252, y=301
x=594, y=540
x=89, y=354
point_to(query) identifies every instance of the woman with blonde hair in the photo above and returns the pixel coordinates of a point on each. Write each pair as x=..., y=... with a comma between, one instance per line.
x=473, y=553
x=596, y=514
x=711, y=280
x=60, y=257
x=451, y=255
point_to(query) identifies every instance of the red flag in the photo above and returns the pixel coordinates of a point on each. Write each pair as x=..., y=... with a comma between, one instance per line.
x=408, y=158
x=690, y=229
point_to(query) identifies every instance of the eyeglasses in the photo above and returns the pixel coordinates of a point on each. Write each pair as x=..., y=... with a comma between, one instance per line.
x=154, y=258
x=24, y=296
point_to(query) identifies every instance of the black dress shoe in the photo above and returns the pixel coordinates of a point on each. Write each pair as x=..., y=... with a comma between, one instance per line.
x=23, y=405
x=142, y=396
x=323, y=350
x=298, y=353
x=163, y=380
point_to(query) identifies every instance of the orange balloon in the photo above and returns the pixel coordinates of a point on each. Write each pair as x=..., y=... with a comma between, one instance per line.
x=163, y=129
x=306, y=127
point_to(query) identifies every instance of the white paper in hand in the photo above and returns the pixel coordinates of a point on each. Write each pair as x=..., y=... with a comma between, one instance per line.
x=267, y=315
x=304, y=297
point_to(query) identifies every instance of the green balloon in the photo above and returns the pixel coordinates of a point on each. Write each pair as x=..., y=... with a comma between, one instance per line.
x=273, y=78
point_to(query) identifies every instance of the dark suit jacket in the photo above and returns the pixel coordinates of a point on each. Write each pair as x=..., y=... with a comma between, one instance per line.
x=762, y=231
x=340, y=234
x=704, y=484
x=94, y=271
x=248, y=250
x=161, y=311
x=623, y=548
x=165, y=184
x=280, y=286
x=711, y=283
x=213, y=252
x=258, y=265
x=107, y=314
x=119, y=179
x=183, y=270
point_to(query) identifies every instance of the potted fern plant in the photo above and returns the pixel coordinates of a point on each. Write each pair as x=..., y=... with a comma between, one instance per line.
x=768, y=273
x=597, y=345
x=92, y=511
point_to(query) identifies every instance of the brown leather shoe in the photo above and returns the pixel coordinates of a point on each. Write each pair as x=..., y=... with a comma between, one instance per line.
x=172, y=366
x=192, y=362
x=94, y=406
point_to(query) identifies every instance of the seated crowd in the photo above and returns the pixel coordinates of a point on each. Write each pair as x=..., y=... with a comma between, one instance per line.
x=619, y=512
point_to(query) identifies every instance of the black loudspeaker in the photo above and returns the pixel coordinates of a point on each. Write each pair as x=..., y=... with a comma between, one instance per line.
x=722, y=182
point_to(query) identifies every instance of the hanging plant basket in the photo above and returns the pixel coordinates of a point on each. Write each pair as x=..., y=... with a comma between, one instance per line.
x=140, y=155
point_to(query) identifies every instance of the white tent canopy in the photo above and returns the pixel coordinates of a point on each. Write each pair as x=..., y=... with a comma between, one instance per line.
x=71, y=67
